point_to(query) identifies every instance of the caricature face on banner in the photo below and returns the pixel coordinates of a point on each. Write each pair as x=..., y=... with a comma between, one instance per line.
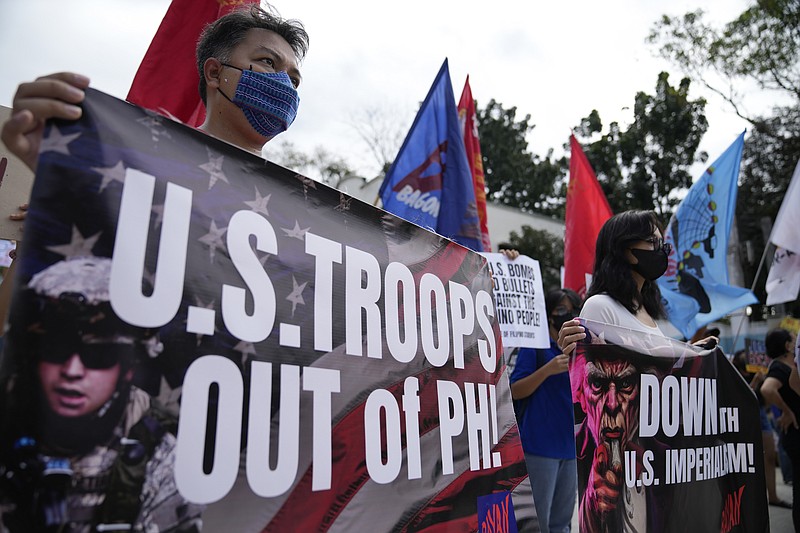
x=199, y=336
x=668, y=439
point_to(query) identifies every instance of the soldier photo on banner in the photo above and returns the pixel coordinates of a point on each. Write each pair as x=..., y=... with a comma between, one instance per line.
x=202, y=339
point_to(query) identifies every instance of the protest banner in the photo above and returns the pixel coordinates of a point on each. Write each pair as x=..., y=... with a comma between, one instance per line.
x=669, y=438
x=757, y=360
x=519, y=298
x=15, y=187
x=281, y=356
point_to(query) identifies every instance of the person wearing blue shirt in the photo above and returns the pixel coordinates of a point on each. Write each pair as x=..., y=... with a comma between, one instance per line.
x=541, y=390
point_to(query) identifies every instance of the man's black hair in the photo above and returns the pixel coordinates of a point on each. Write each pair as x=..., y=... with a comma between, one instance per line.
x=219, y=38
x=776, y=342
x=612, y=271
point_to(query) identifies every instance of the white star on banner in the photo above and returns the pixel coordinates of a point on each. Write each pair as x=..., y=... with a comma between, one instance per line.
x=214, y=169
x=296, y=296
x=344, y=203
x=154, y=124
x=78, y=246
x=259, y=205
x=213, y=239
x=296, y=232
x=56, y=142
x=111, y=174
x=247, y=349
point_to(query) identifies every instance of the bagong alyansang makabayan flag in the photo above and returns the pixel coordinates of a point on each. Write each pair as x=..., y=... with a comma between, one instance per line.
x=333, y=367
x=430, y=182
x=668, y=437
x=695, y=287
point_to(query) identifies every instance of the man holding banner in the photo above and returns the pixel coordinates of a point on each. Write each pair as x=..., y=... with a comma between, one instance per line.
x=313, y=326
x=248, y=65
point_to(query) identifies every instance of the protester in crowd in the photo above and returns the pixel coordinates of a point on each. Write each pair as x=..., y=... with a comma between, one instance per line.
x=794, y=378
x=85, y=449
x=776, y=390
x=541, y=389
x=630, y=256
x=755, y=380
x=248, y=65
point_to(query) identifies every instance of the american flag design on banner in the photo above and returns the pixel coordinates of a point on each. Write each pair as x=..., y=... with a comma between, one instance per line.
x=357, y=351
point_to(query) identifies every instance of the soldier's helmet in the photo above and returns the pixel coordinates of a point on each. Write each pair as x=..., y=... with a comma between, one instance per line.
x=72, y=310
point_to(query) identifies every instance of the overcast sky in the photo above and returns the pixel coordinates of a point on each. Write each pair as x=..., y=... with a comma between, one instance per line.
x=553, y=60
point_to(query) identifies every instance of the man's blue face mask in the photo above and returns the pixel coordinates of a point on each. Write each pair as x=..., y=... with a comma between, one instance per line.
x=268, y=100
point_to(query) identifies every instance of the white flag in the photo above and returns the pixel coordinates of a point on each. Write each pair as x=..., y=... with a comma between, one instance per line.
x=783, y=282
x=786, y=231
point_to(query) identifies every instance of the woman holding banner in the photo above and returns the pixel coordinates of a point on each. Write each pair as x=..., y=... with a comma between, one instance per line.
x=630, y=256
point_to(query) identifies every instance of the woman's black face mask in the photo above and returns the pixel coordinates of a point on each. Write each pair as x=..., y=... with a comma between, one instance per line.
x=652, y=263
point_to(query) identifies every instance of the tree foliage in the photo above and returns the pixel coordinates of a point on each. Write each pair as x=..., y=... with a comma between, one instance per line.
x=642, y=166
x=515, y=176
x=320, y=165
x=546, y=248
x=761, y=45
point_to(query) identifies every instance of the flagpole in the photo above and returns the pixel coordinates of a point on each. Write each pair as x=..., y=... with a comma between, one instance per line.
x=753, y=288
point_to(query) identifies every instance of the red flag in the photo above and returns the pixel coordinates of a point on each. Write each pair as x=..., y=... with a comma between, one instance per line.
x=587, y=211
x=466, y=114
x=167, y=79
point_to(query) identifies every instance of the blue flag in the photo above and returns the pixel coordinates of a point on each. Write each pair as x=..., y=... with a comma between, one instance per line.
x=430, y=183
x=695, y=287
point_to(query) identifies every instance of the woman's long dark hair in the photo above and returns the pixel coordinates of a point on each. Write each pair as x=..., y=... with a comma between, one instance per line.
x=612, y=272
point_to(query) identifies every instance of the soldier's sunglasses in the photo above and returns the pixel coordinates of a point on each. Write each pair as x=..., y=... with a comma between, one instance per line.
x=94, y=355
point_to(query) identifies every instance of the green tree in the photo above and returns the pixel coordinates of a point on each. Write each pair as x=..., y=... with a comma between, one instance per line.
x=761, y=45
x=546, y=248
x=515, y=176
x=642, y=166
x=320, y=165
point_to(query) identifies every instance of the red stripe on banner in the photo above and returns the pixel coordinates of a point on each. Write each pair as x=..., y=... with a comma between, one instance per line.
x=456, y=507
x=307, y=510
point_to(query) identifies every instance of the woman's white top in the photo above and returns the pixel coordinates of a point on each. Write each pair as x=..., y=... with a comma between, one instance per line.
x=604, y=308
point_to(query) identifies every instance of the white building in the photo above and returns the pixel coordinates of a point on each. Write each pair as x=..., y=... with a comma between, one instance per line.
x=502, y=219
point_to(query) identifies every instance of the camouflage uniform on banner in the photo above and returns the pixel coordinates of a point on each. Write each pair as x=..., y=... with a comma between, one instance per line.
x=88, y=450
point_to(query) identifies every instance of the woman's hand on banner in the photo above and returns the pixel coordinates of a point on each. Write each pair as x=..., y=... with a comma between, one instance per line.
x=707, y=343
x=569, y=335
x=53, y=96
